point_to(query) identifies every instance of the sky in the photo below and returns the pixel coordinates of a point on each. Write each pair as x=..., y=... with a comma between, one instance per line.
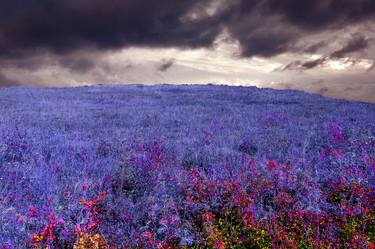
x=319, y=46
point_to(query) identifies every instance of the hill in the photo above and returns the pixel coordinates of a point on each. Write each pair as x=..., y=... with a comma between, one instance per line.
x=147, y=155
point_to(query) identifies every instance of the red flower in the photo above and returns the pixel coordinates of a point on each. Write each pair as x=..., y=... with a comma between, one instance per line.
x=208, y=217
x=247, y=217
x=287, y=167
x=163, y=246
x=219, y=245
x=271, y=165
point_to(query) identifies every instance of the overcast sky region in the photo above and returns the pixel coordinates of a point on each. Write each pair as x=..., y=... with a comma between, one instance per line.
x=320, y=46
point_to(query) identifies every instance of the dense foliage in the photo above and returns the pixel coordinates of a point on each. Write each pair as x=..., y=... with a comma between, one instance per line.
x=184, y=167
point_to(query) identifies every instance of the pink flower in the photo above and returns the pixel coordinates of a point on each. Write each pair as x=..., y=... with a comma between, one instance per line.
x=85, y=186
x=175, y=219
x=147, y=235
x=92, y=225
x=32, y=211
x=140, y=147
x=163, y=222
x=20, y=220
x=78, y=230
x=287, y=167
x=322, y=154
x=336, y=133
x=336, y=153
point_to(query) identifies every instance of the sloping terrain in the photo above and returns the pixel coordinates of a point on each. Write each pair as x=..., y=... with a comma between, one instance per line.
x=135, y=148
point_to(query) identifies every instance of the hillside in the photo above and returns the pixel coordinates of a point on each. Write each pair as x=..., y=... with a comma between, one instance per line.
x=146, y=147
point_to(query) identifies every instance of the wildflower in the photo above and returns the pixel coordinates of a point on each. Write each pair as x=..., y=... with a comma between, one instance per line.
x=162, y=246
x=90, y=241
x=147, y=235
x=92, y=203
x=85, y=186
x=321, y=154
x=163, y=222
x=89, y=204
x=20, y=220
x=78, y=230
x=247, y=217
x=337, y=153
x=92, y=225
x=372, y=245
x=175, y=219
x=271, y=165
x=37, y=238
x=219, y=245
x=287, y=167
x=336, y=133
x=140, y=147
x=209, y=217
x=32, y=211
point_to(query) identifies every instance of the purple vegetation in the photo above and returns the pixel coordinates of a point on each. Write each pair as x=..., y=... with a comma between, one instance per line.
x=166, y=166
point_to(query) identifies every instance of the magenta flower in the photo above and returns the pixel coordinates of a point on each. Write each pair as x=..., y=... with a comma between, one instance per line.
x=32, y=211
x=271, y=165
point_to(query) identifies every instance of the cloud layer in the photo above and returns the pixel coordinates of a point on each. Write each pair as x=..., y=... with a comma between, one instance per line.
x=76, y=36
x=263, y=27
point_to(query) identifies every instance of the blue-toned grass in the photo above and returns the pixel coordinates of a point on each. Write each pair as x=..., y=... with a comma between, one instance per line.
x=139, y=145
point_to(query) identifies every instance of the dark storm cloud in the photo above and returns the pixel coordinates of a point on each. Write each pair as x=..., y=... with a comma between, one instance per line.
x=314, y=63
x=64, y=25
x=323, y=14
x=266, y=35
x=302, y=66
x=33, y=31
x=165, y=64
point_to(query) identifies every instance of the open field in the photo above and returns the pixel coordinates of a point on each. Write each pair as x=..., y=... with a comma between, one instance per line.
x=185, y=167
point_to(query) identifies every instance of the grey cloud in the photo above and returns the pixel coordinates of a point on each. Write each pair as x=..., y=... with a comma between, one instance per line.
x=349, y=89
x=356, y=44
x=313, y=63
x=303, y=66
x=165, y=64
x=323, y=90
x=81, y=65
x=313, y=48
x=6, y=82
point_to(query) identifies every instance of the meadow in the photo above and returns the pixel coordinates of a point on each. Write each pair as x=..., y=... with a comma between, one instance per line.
x=185, y=167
